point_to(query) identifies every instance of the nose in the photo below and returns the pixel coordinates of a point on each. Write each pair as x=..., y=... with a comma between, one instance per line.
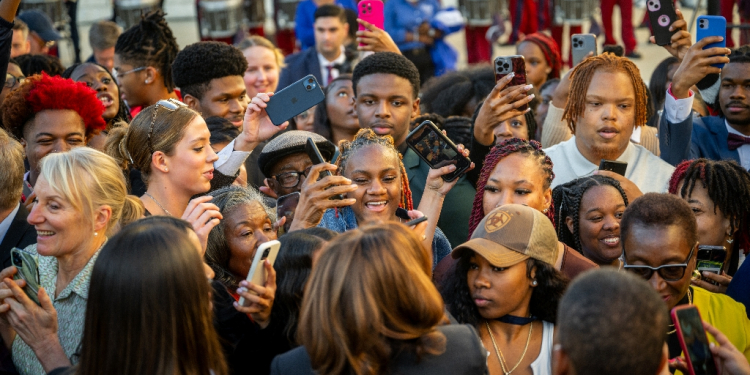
x=506, y=197
x=262, y=76
x=481, y=281
x=608, y=111
x=657, y=282
x=212, y=157
x=611, y=223
x=61, y=146
x=381, y=111
x=99, y=86
x=261, y=236
x=376, y=187
x=504, y=129
x=738, y=92
x=35, y=217
x=236, y=106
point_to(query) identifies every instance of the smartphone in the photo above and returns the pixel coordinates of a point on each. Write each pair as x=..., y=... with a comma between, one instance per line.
x=371, y=11
x=257, y=275
x=416, y=221
x=516, y=64
x=28, y=271
x=437, y=150
x=712, y=26
x=314, y=153
x=661, y=13
x=693, y=340
x=402, y=214
x=285, y=207
x=710, y=259
x=294, y=99
x=582, y=44
x=618, y=167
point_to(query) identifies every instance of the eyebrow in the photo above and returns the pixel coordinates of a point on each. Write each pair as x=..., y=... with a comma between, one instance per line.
x=52, y=135
x=368, y=172
x=597, y=97
x=518, y=182
x=735, y=80
x=599, y=208
x=694, y=201
x=201, y=139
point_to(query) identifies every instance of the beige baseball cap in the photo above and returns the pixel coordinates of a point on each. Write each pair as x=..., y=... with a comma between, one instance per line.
x=510, y=234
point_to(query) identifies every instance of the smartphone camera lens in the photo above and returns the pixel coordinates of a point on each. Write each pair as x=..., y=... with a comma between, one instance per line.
x=506, y=66
x=310, y=80
x=265, y=253
x=309, y=87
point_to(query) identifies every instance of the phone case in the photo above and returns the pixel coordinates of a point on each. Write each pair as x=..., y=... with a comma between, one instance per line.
x=294, y=99
x=437, y=150
x=257, y=275
x=28, y=271
x=371, y=11
x=582, y=44
x=712, y=26
x=710, y=259
x=314, y=153
x=285, y=207
x=693, y=340
x=613, y=166
x=662, y=14
x=504, y=65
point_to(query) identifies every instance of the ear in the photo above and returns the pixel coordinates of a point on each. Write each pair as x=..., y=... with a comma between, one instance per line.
x=532, y=276
x=192, y=102
x=346, y=28
x=415, y=110
x=569, y=223
x=151, y=75
x=560, y=362
x=159, y=161
x=548, y=198
x=101, y=218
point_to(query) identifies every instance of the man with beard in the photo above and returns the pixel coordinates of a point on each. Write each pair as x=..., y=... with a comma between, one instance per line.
x=726, y=136
x=210, y=76
x=607, y=101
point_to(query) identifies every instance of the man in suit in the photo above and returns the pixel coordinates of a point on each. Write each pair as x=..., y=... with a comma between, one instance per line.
x=14, y=230
x=726, y=136
x=329, y=58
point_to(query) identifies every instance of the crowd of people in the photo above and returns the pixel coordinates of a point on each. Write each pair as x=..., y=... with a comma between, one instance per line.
x=136, y=188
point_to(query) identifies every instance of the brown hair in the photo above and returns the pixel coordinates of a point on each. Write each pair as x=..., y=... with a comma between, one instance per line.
x=103, y=35
x=581, y=78
x=18, y=24
x=370, y=296
x=11, y=171
x=129, y=146
x=259, y=41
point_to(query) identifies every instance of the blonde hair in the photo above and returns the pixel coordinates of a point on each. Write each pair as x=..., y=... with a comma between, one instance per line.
x=259, y=41
x=11, y=171
x=370, y=295
x=89, y=179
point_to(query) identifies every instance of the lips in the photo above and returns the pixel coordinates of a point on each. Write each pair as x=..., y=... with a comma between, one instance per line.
x=381, y=128
x=479, y=301
x=735, y=107
x=611, y=240
x=608, y=132
x=41, y=234
x=376, y=206
x=209, y=174
x=106, y=98
x=236, y=120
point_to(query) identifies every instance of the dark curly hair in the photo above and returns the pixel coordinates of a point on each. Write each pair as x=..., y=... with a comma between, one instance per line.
x=567, y=200
x=150, y=43
x=449, y=94
x=544, y=298
x=41, y=92
x=387, y=63
x=122, y=113
x=199, y=63
x=39, y=63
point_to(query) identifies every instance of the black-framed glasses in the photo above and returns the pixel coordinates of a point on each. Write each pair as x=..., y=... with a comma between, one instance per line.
x=11, y=80
x=170, y=105
x=291, y=179
x=668, y=272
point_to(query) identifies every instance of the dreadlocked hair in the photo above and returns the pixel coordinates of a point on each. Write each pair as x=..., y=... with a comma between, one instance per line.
x=581, y=78
x=498, y=152
x=150, y=43
x=365, y=138
x=567, y=201
x=728, y=186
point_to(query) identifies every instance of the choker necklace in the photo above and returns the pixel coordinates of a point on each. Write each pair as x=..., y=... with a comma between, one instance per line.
x=516, y=320
x=158, y=204
x=500, y=354
x=690, y=302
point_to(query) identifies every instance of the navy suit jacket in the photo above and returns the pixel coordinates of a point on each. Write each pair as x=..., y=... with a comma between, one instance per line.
x=696, y=137
x=298, y=66
x=20, y=234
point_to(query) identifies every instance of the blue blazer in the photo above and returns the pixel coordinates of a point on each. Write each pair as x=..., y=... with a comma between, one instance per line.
x=20, y=234
x=696, y=137
x=298, y=66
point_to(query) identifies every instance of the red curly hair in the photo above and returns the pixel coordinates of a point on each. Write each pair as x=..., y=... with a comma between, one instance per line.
x=42, y=92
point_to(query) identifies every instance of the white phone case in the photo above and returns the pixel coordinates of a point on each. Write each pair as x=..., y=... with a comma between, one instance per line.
x=257, y=275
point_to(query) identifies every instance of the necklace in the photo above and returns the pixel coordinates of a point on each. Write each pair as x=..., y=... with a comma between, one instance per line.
x=158, y=204
x=500, y=354
x=690, y=302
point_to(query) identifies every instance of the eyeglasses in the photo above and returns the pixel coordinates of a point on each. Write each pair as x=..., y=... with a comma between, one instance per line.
x=118, y=74
x=170, y=105
x=668, y=272
x=11, y=80
x=291, y=179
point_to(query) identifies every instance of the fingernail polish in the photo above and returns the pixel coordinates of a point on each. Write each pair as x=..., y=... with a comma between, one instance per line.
x=512, y=74
x=235, y=304
x=532, y=96
x=528, y=87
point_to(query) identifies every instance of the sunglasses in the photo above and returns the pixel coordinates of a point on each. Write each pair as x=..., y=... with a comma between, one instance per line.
x=170, y=105
x=668, y=272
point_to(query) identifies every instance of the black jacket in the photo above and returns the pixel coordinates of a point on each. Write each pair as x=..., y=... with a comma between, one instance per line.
x=20, y=234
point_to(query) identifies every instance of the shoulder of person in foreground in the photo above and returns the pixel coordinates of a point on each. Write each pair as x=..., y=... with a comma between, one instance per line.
x=464, y=354
x=293, y=362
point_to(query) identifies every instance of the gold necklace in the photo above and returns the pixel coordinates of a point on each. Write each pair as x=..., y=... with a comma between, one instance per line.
x=500, y=354
x=690, y=302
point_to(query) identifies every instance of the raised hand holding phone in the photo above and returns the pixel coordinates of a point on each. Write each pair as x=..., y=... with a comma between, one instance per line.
x=504, y=102
x=258, y=290
x=316, y=196
x=693, y=340
x=257, y=126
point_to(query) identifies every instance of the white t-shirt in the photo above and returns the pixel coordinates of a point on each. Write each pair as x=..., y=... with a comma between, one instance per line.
x=542, y=365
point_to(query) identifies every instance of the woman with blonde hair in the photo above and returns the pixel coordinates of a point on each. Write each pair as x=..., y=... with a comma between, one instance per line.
x=264, y=63
x=80, y=197
x=371, y=308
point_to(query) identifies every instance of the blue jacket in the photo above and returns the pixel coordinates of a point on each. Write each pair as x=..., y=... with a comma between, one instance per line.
x=304, y=19
x=401, y=16
x=299, y=65
x=704, y=137
x=739, y=288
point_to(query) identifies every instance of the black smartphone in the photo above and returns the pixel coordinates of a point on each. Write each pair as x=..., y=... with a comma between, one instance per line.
x=415, y=221
x=294, y=99
x=437, y=150
x=710, y=259
x=515, y=64
x=693, y=340
x=402, y=214
x=314, y=153
x=286, y=205
x=661, y=13
x=27, y=270
x=618, y=167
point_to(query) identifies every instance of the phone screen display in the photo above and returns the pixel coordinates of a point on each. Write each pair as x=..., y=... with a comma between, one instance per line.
x=285, y=207
x=710, y=259
x=429, y=143
x=695, y=341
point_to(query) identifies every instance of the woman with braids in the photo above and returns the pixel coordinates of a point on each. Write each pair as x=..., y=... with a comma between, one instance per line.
x=588, y=211
x=100, y=79
x=718, y=193
x=143, y=62
x=542, y=57
x=506, y=286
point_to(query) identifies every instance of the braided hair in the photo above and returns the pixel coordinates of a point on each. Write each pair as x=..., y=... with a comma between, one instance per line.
x=728, y=186
x=567, y=201
x=150, y=43
x=498, y=152
x=367, y=137
x=123, y=115
x=581, y=77
x=550, y=50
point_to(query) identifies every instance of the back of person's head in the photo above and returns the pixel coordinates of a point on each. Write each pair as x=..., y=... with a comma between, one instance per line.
x=199, y=63
x=31, y=64
x=324, y=234
x=89, y=179
x=658, y=83
x=611, y=322
x=659, y=210
x=11, y=171
x=222, y=130
x=150, y=43
x=330, y=10
x=614, y=49
x=369, y=296
x=581, y=79
x=103, y=35
x=148, y=264
x=387, y=63
x=453, y=94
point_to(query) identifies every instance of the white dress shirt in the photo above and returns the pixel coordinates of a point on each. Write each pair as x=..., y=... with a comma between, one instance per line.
x=334, y=72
